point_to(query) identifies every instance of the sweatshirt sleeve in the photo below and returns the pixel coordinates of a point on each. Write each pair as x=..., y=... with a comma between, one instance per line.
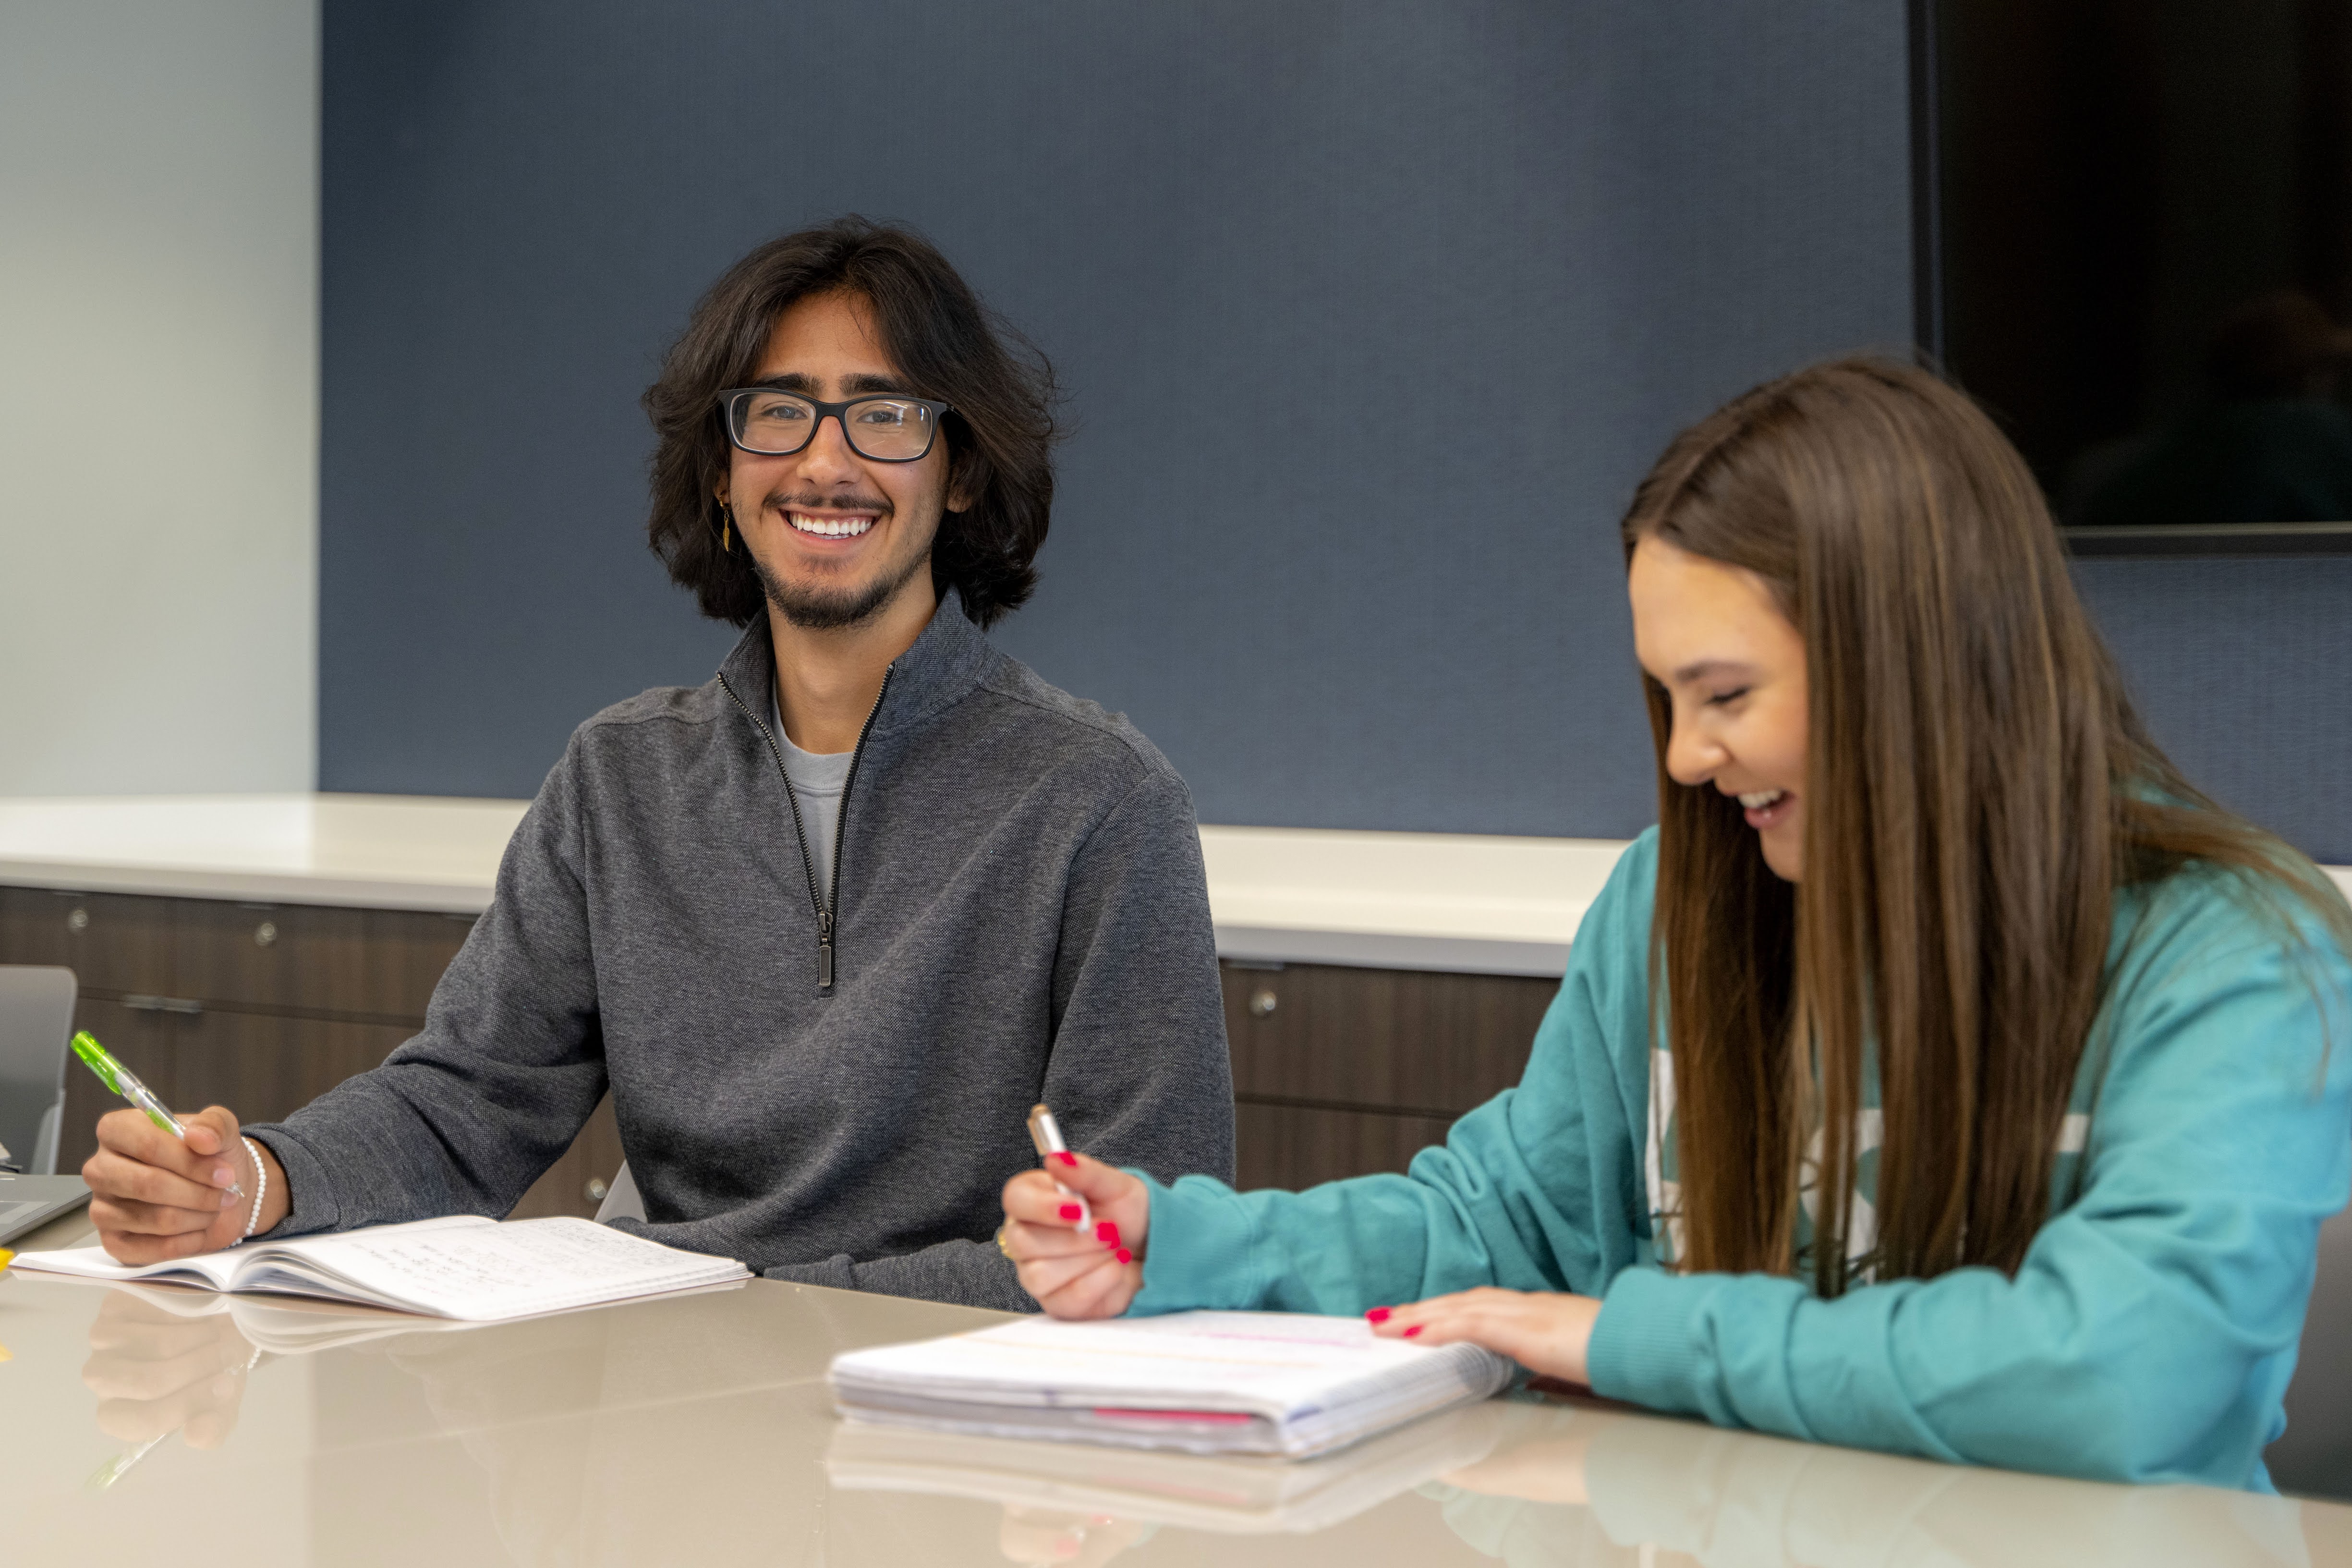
x=961, y=1273
x=463, y=1117
x=1138, y=1073
x=1536, y=1190
x=2152, y=1328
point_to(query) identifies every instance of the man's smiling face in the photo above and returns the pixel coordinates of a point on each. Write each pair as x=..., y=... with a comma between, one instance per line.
x=835, y=536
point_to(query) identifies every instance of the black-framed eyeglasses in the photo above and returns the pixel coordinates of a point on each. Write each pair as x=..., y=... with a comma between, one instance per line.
x=888, y=428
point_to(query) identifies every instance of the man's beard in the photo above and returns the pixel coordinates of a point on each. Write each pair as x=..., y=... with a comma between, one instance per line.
x=833, y=609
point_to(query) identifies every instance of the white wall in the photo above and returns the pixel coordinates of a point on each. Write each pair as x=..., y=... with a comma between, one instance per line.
x=158, y=346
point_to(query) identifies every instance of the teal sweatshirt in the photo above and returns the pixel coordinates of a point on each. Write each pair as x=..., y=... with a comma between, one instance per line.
x=2148, y=1336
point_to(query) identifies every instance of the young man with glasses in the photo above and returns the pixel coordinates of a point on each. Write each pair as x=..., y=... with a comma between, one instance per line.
x=829, y=925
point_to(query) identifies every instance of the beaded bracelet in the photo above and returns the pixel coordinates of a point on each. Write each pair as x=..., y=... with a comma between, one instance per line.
x=260, y=1189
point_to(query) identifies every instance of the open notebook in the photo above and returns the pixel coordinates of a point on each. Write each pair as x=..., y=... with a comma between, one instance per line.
x=463, y=1267
x=1206, y=1383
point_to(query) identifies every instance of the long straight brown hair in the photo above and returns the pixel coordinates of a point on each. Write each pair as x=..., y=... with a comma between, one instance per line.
x=1977, y=787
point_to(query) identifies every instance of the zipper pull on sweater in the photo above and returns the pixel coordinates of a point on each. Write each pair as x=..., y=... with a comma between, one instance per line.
x=822, y=905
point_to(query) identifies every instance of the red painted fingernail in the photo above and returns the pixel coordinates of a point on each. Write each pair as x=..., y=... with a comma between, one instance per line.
x=1107, y=1233
x=1067, y=1158
x=1378, y=1315
x=1071, y=1210
x=1412, y=1331
x=1123, y=1255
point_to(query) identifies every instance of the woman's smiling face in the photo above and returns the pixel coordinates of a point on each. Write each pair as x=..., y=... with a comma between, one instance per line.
x=1734, y=670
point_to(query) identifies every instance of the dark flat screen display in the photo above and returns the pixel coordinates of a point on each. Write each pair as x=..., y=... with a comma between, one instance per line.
x=2144, y=246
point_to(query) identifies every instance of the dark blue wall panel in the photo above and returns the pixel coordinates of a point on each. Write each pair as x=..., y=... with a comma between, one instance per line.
x=1370, y=314
x=2244, y=668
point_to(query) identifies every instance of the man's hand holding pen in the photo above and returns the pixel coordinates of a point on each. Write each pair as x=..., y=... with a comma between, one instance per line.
x=154, y=1196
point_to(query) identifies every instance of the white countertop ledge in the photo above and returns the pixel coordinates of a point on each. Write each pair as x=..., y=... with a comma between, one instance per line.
x=1405, y=900
x=364, y=851
x=1464, y=903
x=1401, y=900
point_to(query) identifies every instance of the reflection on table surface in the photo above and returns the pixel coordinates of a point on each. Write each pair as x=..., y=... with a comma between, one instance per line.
x=696, y=1429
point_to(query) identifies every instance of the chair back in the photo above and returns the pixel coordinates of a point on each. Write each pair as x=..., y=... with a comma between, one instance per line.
x=2315, y=1457
x=37, y=1007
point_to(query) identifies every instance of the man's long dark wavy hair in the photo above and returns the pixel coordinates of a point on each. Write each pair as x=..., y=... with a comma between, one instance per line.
x=940, y=336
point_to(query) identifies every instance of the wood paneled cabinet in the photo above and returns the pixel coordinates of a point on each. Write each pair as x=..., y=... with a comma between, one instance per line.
x=260, y=1007
x=1342, y=1072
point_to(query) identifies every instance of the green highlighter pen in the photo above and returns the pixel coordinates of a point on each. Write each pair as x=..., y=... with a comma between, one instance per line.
x=125, y=1082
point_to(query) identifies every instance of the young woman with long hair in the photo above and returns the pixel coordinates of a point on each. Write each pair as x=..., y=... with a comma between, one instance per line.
x=1944, y=1074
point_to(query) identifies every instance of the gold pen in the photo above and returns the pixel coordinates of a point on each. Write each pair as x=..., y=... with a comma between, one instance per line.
x=1046, y=1134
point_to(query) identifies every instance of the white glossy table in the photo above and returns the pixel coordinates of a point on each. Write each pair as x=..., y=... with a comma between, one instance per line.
x=697, y=1430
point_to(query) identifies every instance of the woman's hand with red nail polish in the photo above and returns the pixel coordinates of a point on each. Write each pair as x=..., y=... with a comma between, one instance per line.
x=1072, y=1273
x=1550, y=1335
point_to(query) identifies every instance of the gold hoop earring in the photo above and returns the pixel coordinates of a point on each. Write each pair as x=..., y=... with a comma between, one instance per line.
x=726, y=527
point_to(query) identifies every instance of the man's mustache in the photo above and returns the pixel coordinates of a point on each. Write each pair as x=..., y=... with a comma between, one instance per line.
x=783, y=502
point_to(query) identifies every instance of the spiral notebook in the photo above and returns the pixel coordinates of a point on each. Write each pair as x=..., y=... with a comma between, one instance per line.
x=1203, y=1383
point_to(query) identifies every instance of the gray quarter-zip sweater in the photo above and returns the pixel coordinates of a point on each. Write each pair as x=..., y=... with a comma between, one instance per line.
x=1020, y=914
